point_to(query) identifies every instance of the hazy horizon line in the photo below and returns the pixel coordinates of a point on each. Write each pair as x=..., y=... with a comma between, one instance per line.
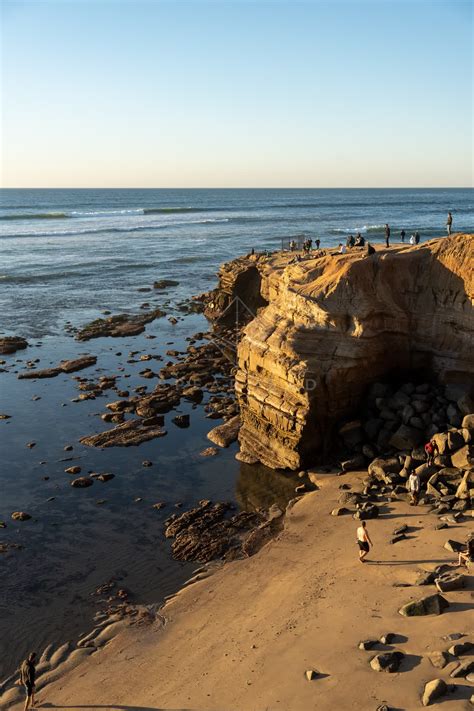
x=240, y=187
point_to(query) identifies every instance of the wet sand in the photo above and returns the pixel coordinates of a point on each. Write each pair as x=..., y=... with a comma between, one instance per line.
x=243, y=638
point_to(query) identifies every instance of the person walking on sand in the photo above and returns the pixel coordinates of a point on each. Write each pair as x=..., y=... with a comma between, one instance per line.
x=27, y=678
x=402, y=235
x=414, y=486
x=363, y=541
x=449, y=224
x=387, y=235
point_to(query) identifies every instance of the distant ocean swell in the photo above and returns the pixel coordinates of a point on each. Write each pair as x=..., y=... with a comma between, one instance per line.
x=78, y=214
x=123, y=229
x=82, y=273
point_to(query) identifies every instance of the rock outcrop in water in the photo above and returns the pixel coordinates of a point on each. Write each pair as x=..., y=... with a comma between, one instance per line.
x=334, y=323
x=11, y=344
x=118, y=326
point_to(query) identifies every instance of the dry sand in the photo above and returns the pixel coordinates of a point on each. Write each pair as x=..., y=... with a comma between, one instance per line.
x=242, y=639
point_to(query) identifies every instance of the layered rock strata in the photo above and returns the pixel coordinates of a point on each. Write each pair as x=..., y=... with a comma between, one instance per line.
x=334, y=323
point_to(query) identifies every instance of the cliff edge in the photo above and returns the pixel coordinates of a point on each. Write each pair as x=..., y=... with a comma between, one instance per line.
x=326, y=327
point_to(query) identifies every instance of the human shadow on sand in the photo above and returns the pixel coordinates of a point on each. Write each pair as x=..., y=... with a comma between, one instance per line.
x=407, y=562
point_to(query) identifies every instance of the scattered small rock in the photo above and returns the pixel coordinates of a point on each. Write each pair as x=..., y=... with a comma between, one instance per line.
x=430, y=605
x=387, y=662
x=82, y=482
x=438, y=659
x=20, y=516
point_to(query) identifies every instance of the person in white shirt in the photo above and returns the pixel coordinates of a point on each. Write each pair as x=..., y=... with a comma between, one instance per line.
x=342, y=248
x=414, y=487
x=363, y=541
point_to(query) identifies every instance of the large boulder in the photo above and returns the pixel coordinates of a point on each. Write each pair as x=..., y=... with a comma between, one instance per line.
x=11, y=344
x=430, y=605
x=433, y=690
x=406, y=437
x=441, y=440
x=468, y=422
x=351, y=433
x=465, y=404
x=450, y=581
x=463, y=458
x=464, y=488
x=224, y=435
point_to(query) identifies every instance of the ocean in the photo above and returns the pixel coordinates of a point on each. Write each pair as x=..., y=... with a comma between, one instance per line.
x=69, y=255
x=66, y=252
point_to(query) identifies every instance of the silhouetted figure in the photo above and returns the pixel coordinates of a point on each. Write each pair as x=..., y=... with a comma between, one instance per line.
x=317, y=242
x=387, y=235
x=449, y=224
x=402, y=235
x=417, y=238
x=370, y=249
x=27, y=678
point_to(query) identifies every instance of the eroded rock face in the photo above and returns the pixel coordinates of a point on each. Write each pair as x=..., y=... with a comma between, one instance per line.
x=335, y=324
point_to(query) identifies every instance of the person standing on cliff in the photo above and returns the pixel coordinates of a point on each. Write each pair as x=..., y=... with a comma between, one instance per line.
x=317, y=242
x=363, y=541
x=27, y=678
x=449, y=224
x=402, y=235
x=387, y=235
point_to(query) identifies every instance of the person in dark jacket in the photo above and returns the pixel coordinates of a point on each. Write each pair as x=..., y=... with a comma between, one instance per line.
x=402, y=235
x=449, y=224
x=370, y=249
x=27, y=678
x=387, y=235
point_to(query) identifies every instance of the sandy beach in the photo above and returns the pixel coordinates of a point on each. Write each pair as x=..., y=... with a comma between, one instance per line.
x=243, y=639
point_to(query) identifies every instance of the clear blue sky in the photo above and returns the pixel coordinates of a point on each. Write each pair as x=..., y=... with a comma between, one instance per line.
x=236, y=94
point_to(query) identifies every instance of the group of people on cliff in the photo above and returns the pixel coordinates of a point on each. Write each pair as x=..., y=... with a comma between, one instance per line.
x=359, y=241
x=414, y=239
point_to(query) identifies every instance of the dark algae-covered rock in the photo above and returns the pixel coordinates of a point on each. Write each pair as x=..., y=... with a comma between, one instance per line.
x=119, y=325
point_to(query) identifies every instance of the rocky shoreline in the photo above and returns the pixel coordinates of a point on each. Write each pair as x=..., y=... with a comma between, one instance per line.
x=289, y=315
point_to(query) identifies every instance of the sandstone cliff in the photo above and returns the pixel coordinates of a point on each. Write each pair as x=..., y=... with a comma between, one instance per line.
x=327, y=327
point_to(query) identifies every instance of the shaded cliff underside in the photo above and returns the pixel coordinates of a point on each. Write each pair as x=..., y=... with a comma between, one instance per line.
x=335, y=323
